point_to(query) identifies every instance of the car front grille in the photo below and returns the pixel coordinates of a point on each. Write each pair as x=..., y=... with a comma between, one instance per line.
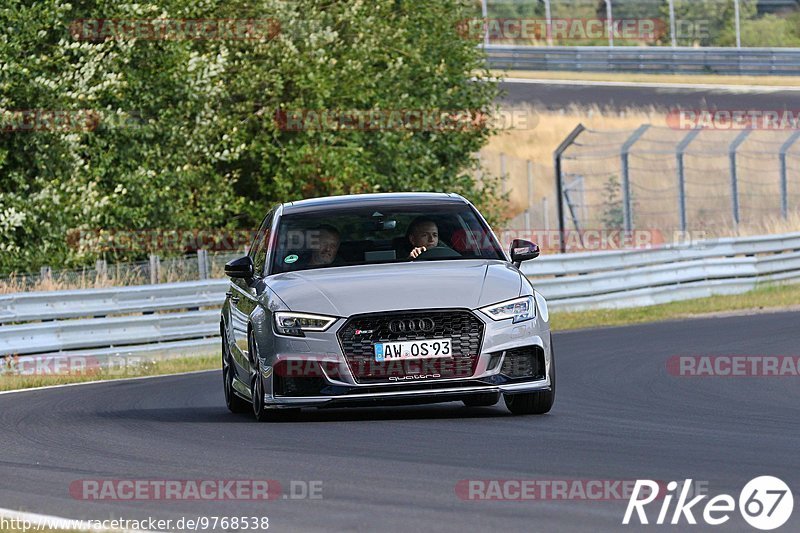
x=360, y=333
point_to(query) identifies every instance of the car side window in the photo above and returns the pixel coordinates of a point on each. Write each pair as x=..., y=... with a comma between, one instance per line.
x=261, y=245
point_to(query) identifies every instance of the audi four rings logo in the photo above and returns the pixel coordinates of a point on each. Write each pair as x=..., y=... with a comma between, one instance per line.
x=412, y=325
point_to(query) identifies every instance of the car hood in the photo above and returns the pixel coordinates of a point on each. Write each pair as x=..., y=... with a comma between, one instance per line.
x=345, y=291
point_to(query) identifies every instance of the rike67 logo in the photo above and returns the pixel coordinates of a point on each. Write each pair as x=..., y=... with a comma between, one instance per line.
x=765, y=503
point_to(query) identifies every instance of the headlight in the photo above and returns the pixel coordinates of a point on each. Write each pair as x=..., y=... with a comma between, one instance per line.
x=519, y=310
x=294, y=324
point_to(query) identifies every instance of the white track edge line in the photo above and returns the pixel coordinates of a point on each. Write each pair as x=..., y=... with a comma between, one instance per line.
x=57, y=522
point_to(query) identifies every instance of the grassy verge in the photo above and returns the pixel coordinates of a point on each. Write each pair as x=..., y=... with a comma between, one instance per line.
x=768, y=297
x=154, y=368
x=710, y=79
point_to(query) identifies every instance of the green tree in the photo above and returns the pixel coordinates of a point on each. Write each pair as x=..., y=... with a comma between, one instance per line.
x=186, y=135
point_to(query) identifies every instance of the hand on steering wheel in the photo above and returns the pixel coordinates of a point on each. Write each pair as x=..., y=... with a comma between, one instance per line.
x=416, y=252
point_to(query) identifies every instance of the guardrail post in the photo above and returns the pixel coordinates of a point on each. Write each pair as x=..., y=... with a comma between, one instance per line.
x=784, y=171
x=560, y=182
x=155, y=269
x=679, y=153
x=734, y=178
x=627, y=204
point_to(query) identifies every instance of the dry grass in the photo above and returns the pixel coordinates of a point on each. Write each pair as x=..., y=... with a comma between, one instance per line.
x=783, y=81
x=770, y=297
x=12, y=381
x=653, y=171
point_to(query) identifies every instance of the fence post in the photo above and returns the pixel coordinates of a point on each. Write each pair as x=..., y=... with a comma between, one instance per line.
x=530, y=197
x=549, y=21
x=560, y=183
x=679, y=153
x=627, y=204
x=202, y=264
x=45, y=273
x=545, y=214
x=672, y=26
x=784, y=171
x=155, y=269
x=734, y=178
x=101, y=267
x=503, y=177
x=610, y=23
x=485, y=16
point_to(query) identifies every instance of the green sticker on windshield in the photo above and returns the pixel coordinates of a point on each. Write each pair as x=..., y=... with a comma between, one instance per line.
x=291, y=258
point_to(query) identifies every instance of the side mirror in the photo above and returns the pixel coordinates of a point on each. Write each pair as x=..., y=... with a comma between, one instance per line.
x=523, y=251
x=241, y=267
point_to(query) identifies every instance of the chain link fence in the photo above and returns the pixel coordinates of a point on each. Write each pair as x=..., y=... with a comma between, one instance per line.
x=665, y=182
x=202, y=265
x=689, y=23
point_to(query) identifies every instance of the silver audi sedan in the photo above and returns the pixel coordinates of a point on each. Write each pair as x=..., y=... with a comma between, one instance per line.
x=383, y=299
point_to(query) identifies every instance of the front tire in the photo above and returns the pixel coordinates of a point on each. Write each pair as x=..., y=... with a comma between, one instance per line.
x=534, y=403
x=234, y=403
x=260, y=410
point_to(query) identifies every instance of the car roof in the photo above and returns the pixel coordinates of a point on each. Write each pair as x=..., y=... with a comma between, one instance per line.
x=365, y=200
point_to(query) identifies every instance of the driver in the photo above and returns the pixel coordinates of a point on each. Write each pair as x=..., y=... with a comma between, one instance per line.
x=423, y=234
x=324, y=241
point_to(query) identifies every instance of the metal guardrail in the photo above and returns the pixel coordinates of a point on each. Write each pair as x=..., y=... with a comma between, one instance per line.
x=643, y=59
x=28, y=306
x=175, y=321
x=646, y=277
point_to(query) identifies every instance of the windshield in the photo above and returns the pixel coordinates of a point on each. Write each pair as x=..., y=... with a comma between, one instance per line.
x=382, y=234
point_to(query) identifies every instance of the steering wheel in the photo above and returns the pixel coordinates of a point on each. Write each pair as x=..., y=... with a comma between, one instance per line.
x=438, y=252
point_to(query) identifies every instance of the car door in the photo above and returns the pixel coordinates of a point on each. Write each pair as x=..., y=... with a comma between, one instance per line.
x=245, y=293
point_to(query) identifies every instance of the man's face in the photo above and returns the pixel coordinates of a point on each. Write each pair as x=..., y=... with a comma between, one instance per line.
x=325, y=248
x=425, y=234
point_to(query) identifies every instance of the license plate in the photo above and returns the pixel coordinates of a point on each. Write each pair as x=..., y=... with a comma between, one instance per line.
x=399, y=351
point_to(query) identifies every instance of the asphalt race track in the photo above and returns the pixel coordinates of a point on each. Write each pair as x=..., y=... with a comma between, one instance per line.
x=618, y=416
x=556, y=97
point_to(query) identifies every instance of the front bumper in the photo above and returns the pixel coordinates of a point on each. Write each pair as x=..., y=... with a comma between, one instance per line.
x=341, y=387
x=405, y=397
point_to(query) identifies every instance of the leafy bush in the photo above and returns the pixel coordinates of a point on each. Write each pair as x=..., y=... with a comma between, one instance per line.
x=186, y=135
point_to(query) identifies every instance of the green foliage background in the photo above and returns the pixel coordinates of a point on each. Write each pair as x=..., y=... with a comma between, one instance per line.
x=187, y=136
